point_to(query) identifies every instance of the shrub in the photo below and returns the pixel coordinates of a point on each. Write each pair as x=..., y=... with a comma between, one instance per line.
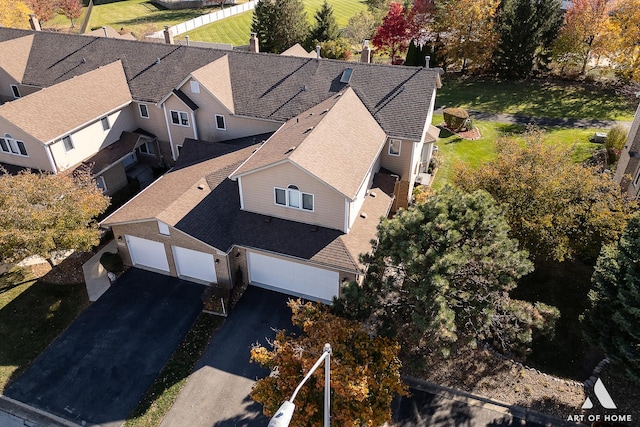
x=112, y=262
x=455, y=118
x=616, y=137
x=336, y=49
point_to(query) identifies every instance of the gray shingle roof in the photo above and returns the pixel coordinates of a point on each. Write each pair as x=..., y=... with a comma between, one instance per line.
x=264, y=85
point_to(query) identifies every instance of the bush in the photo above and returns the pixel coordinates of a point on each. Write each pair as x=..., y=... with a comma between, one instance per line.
x=455, y=118
x=112, y=262
x=336, y=49
x=616, y=137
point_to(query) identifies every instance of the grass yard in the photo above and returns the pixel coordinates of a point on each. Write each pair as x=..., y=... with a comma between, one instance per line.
x=237, y=29
x=32, y=314
x=166, y=387
x=534, y=98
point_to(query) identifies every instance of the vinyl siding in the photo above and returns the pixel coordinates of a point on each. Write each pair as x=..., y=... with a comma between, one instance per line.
x=37, y=154
x=92, y=138
x=178, y=133
x=400, y=165
x=115, y=178
x=258, y=195
x=356, y=205
x=155, y=124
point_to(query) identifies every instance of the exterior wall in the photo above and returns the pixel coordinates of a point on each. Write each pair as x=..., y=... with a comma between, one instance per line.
x=628, y=167
x=5, y=86
x=356, y=205
x=400, y=165
x=115, y=178
x=155, y=124
x=90, y=139
x=236, y=127
x=178, y=133
x=37, y=152
x=259, y=196
x=149, y=230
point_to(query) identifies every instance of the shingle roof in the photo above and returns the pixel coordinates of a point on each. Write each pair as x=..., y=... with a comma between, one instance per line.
x=216, y=78
x=348, y=147
x=41, y=114
x=264, y=85
x=106, y=157
x=299, y=51
x=15, y=56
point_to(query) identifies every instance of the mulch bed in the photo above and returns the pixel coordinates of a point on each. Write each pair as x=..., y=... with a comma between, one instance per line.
x=471, y=134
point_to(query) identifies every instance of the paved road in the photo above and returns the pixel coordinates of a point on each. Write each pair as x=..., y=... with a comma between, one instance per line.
x=99, y=368
x=217, y=392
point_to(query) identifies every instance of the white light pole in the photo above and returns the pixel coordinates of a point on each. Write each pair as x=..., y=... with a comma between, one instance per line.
x=282, y=418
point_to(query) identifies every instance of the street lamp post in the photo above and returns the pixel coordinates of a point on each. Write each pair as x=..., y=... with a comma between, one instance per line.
x=282, y=418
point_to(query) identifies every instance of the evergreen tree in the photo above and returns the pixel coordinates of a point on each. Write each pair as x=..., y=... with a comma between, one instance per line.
x=527, y=30
x=279, y=24
x=612, y=322
x=325, y=27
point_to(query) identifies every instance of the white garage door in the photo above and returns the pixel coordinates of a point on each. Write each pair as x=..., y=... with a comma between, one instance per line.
x=194, y=264
x=292, y=278
x=147, y=253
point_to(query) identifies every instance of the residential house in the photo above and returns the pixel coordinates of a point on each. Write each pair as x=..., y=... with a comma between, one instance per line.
x=628, y=168
x=282, y=165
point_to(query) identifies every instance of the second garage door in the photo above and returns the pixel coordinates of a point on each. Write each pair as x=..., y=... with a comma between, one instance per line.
x=293, y=278
x=147, y=253
x=194, y=264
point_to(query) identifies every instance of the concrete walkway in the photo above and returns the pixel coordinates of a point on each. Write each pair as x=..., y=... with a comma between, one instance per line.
x=95, y=276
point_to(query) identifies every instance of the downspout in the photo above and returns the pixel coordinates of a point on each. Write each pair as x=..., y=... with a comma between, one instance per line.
x=166, y=122
x=195, y=128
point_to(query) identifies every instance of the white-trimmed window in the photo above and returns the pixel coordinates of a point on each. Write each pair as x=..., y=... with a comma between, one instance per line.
x=10, y=145
x=635, y=181
x=105, y=123
x=16, y=91
x=68, y=143
x=163, y=228
x=293, y=198
x=220, y=124
x=144, y=111
x=179, y=118
x=394, y=147
x=147, y=148
x=195, y=86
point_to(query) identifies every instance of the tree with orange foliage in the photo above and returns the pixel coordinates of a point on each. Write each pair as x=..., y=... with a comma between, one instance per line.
x=71, y=9
x=365, y=371
x=394, y=33
x=625, y=38
x=43, y=9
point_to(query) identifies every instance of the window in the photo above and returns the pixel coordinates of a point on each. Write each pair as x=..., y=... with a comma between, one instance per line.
x=179, y=118
x=220, y=124
x=195, y=86
x=101, y=184
x=293, y=198
x=394, y=147
x=16, y=91
x=105, y=123
x=144, y=111
x=147, y=148
x=68, y=144
x=163, y=228
x=10, y=145
x=635, y=181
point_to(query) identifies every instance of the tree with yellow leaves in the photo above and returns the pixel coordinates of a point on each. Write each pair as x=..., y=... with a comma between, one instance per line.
x=625, y=38
x=365, y=371
x=14, y=14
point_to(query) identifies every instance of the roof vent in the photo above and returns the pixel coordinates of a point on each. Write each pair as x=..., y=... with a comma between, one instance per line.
x=309, y=129
x=290, y=150
x=84, y=61
x=314, y=228
x=267, y=219
x=403, y=88
x=158, y=60
x=326, y=110
x=346, y=75
x=304, y=88
x=363, y=215
x=200, y=187
x=373, y=194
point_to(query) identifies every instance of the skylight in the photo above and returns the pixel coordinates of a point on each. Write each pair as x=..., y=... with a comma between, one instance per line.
x=346, y=75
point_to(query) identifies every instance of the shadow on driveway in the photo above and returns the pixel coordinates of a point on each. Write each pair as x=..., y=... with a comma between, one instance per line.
x=97, y=370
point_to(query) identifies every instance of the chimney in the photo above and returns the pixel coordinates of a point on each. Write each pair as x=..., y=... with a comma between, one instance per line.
x=318, y=49
x=186, y=38
x=366, y=53
x=427, y=59
x=34, y=22
x=168, y=37
x=104, y=29
x=254, y=43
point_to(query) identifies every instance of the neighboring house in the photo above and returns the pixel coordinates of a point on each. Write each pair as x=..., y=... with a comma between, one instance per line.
x=628, y=168
x=344, y=145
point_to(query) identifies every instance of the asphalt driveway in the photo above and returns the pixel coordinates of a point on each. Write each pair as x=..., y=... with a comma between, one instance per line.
x=217, y=392
x=98, y=369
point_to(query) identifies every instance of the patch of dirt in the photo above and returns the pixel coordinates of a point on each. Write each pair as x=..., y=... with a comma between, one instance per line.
x=67, y=271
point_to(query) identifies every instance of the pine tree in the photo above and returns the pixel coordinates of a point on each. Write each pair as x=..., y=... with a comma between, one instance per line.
x=325, y=27
x=612, y=322
x=279, y=24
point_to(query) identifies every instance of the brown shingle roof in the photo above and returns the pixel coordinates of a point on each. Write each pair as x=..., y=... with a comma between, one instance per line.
x=337, y=141
x=111, y=154
x=216, y=78
x=55, y=111
x=15, y=56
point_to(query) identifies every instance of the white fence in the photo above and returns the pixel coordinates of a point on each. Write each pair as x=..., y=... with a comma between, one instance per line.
x=207, y=19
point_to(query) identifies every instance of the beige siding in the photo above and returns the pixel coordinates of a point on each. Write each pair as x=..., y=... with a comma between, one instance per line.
x=115, y=178
x=36, y=150
x=356, y=204
x=6, y=80
x=400, y=165
x=258, y=196
x=92, y=138
x=155, y=124
x=236, y=127
x=178, y=133
x=149, y=230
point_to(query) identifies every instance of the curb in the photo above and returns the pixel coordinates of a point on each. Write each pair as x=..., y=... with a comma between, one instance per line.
x=32, y=416
x=487, y=403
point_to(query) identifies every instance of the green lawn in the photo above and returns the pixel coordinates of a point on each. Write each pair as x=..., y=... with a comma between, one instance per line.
x=32, y=314
x=236, y=29
x=453, y=149
x=534, y=98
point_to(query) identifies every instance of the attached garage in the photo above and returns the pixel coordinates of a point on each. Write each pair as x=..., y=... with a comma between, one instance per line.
x=147, y=253
x=292, y=277
x=194, y=264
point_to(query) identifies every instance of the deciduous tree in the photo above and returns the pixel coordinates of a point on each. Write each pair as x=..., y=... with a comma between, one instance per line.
x=557, y=209
x=41, y=213
x=394, y=34
x=43, y=9
x=279, y=24
x=71, y=9
x=365, y=371
x=14, y=14
x=360, y=27
x=625, y=38
x=612, y=321
x=440, y=278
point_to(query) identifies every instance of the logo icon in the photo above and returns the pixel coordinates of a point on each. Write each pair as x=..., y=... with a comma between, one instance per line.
x=603, y=397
